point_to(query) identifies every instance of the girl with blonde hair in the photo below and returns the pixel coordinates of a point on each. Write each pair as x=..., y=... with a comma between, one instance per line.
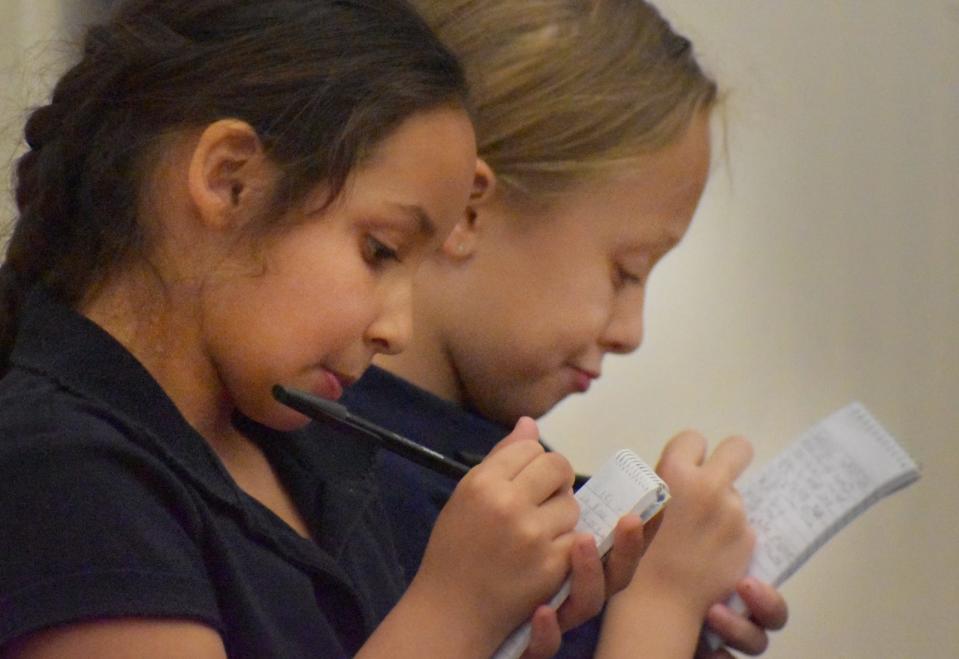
x=592, y=121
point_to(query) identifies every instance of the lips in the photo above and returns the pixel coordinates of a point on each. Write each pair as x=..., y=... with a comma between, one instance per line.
x=332, y=383
x=344, y=379
x=582, y=378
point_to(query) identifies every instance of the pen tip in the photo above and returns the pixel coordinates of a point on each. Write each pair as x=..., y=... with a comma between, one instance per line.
x=279, y=393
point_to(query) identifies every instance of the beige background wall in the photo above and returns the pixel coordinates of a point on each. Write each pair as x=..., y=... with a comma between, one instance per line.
x=35, y=46
x=823, y=267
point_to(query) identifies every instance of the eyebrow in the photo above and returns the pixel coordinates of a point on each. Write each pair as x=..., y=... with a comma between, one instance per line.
x=424, y=224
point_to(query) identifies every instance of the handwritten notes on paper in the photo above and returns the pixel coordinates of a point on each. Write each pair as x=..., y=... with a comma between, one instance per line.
x=824, y=479
x=625, y=484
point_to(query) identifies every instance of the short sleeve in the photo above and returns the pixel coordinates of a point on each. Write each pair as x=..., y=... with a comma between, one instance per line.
x=94, y=526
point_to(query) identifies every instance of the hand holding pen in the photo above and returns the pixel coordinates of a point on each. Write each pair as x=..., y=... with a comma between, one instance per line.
x=505, y=535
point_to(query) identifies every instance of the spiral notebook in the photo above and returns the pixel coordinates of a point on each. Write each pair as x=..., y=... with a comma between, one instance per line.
x=828, y=476
x=625, y=484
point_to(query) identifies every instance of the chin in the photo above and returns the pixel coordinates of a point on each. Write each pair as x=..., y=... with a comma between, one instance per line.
x=540, y=405
x=287, y=420
x=511, y=403
x=509, y=416
x=544, y=409
x=277, y=416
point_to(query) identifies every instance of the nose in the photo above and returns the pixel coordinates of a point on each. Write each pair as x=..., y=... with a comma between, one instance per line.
x=623, y=332
x=392, y=328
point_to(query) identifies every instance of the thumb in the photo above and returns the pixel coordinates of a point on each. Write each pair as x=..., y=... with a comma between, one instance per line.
x=524, y=430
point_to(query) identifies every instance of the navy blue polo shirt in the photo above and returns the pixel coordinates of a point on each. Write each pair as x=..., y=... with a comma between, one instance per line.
x=111, y=505
x=413, y=495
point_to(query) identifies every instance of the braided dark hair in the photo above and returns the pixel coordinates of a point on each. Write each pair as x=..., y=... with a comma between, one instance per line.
x=321, y=81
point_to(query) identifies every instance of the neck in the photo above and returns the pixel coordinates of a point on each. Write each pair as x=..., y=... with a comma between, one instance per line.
x=427, y=364
x=157, y=325
x=160, y=325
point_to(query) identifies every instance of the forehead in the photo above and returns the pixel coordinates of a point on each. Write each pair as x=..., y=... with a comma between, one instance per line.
x=422, y=171
x=647, y=206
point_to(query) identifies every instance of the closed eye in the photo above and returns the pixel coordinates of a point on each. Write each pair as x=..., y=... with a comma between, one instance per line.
x=377, y=253
x=623, y=277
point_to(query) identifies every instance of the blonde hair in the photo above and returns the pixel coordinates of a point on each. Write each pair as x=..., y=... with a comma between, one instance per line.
x=564, y=91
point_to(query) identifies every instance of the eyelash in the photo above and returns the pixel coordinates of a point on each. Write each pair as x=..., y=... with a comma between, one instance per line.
x=626, y=278
x=376, y=253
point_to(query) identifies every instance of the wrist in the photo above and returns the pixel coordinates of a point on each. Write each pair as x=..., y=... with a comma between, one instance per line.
x=441, y=621
x=694, y=591
x=653, y=614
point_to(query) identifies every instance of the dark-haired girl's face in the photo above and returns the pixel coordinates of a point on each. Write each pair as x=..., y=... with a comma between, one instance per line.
x=316, y=303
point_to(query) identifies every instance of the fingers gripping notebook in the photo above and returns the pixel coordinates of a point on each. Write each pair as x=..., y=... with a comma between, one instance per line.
x=824, y=479
x=625, y=484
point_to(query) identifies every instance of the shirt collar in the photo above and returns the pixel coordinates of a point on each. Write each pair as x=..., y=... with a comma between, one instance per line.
x=55, y=341
x=81, y=358
x=403, y=407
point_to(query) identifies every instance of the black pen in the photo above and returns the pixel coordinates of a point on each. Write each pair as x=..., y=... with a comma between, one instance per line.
x=321, y=408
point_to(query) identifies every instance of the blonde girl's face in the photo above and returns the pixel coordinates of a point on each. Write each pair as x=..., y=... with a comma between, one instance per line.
x=545, y=298
x=316, y=302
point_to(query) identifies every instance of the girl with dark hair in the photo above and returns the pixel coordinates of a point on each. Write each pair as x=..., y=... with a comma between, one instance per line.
x=222, y=196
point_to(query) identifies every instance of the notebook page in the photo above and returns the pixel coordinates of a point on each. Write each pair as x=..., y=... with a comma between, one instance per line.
x=820, y=482
x=823, y=480
x=624, y=484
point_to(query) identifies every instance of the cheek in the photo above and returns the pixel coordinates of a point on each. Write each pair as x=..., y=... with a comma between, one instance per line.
x=505, y=362
x=570, y=314
x=262, y=333
x=272, y=349
x=534, y=325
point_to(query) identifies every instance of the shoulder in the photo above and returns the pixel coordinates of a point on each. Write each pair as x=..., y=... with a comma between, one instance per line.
x=38, y=415
x=54, y=443
x=94, y=523
x=34, y=408
x=62, y=454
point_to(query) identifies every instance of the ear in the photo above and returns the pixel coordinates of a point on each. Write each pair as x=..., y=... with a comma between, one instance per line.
x=461, y=243
x=228, y=173
x=484, y=183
